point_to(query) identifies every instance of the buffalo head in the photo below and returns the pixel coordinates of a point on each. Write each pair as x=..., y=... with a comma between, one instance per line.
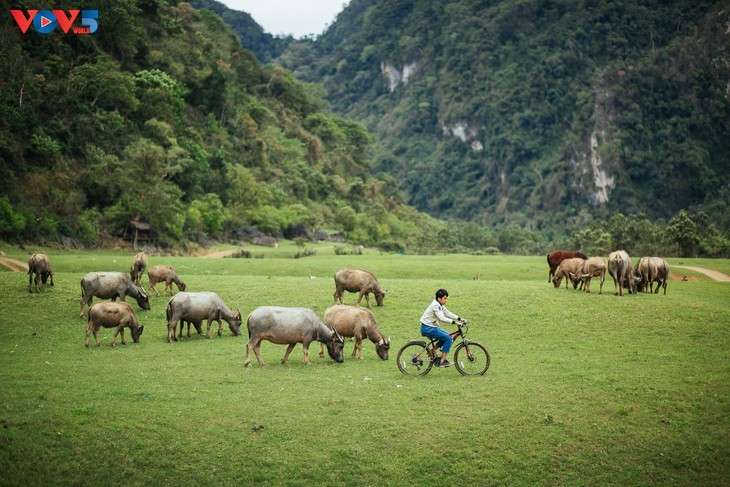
x=235, y=324
x=379, y=295
x=136, y=333
x=142, y=299
x=335, y=346
x=382, y=348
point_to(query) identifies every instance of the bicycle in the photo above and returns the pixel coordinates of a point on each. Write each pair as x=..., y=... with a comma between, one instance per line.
x=470, y=358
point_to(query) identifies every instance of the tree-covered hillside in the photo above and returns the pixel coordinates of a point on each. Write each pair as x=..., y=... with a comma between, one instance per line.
x=546, y=115
x=161, y=116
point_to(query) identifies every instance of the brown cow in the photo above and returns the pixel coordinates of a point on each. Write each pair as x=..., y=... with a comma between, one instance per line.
x=39, y=265
x=555, y=257
x=567, y=269
x=166, y=273
x=358, y=323
x=138, y=267
x=113, y=315
x=358, y=281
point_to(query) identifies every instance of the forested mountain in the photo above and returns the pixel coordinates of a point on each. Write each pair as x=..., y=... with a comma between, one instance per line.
x=537, y=112
x=161, y=116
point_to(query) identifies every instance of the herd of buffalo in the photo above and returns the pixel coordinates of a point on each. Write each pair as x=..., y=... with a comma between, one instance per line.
x=289, y=326
x=285, y=326
x=579, y=269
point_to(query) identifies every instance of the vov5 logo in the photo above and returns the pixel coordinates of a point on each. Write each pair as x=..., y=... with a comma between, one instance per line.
x=46, y=21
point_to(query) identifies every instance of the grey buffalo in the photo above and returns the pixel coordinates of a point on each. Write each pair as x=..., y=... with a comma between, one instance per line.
x=619, y=266
x=112, y=285
x=113, y=315
x=358, y=323
x=196, y=307
x=40, y=266
x=358, y=281
x=289, y=326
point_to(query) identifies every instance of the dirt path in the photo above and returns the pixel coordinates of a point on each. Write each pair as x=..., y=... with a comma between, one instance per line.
x=14, y=265
x=219, y=255
x=714, y=275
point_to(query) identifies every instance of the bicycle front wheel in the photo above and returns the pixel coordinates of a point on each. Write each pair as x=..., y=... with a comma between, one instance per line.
x=471, y=358
x=413, y=358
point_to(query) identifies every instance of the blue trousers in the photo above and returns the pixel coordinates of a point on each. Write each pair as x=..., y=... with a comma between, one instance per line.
x=443, y=337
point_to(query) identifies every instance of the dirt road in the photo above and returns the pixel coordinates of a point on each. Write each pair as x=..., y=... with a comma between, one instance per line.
x=714, y=275
x=13, y=264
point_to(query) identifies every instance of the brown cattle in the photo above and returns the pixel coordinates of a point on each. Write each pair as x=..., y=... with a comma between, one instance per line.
x=358, y=281
x=555, y=257
x=166, y=273
x=567, y=269
x=358, y=323
x=113, y=315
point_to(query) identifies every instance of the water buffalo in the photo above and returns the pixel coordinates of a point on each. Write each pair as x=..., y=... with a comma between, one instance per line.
x=650, y=270
x=112, y=285
x=619, y=266
x=166, y=273
x=39, y=265
x=593, y=267
x=289, y=326
x=138, y=267
x=567, y=269
x=359, y=323
x=196, y=307
x=555, y=257
x=113, y=315
x=358, y=281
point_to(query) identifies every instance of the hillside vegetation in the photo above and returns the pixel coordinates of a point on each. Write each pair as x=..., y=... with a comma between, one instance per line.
x=549, y=116
x=161, y=116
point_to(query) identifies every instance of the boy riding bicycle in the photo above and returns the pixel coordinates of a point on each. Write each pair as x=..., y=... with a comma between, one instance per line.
x=434, y=314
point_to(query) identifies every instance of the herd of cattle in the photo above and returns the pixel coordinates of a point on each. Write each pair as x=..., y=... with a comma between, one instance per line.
x=289, y=326
x=284, y=326
x=579, y=269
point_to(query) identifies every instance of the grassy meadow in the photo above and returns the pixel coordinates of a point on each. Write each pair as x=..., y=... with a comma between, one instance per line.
x=583, y=388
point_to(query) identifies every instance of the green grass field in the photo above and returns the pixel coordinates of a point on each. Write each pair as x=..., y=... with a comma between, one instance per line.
x=583, y=389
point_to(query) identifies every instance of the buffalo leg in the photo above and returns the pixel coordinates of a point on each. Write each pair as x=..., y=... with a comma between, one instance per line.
x=89, y=330
x=288, y=351
x=85, y=301
x=321, y=350
x=220, y=327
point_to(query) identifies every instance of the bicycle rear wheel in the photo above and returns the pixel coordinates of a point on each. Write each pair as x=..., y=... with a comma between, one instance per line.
x=471, y=358
x=413, y=358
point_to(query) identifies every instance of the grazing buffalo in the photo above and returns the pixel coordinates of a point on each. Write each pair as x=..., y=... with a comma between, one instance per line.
x=358, y=281
x=567, y=269
x=113, y=315
x=39, y=265
x=138, y=267
x=619, y=266
x=289, y=326
x=650, y=270
x=555, y=257
x=112, y=285
x=166, y=273
x=593, y=267
x=196, y=307
x=358, y=323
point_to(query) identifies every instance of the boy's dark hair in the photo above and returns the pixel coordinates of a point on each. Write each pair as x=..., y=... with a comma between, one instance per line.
x=441, y=293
